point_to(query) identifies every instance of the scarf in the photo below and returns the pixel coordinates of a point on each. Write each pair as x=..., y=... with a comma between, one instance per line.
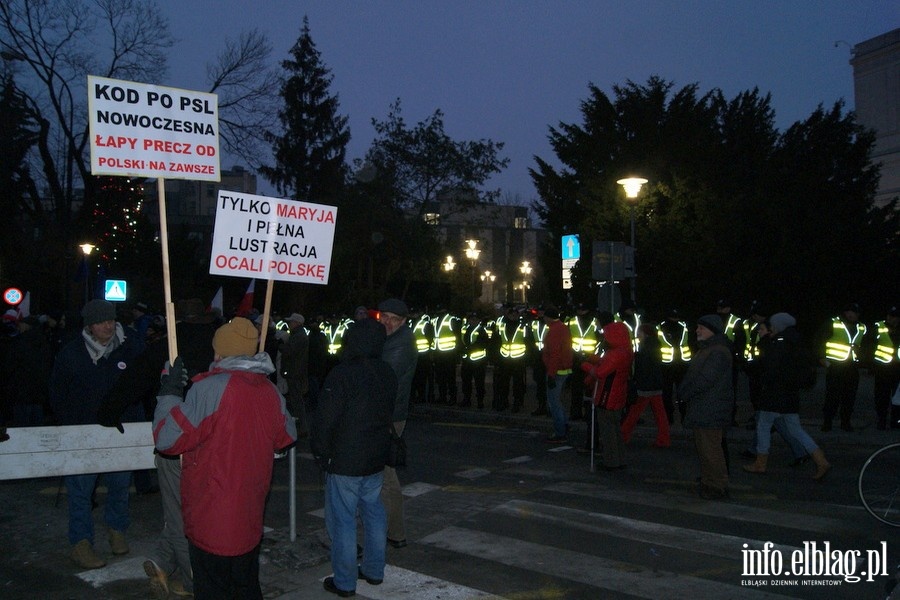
x=96, y=350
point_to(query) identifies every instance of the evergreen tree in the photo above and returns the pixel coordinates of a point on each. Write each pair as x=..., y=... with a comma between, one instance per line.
x=116, y=223
x=310, y=152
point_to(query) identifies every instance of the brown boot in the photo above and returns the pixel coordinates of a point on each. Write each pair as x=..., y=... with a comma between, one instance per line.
x=117, y=542
x=759, y=466
x=822, y=465
x=83, y=555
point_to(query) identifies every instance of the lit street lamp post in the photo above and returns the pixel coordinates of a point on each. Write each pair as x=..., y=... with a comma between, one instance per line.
x=472, y=253
x=489, y=278
x=632, y=187
x=525, y=270
x=86, y=249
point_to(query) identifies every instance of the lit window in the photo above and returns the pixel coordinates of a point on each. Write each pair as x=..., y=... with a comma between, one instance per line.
x=520, y=223
x=433, y=218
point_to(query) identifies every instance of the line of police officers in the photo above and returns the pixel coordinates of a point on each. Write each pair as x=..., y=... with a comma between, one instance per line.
x=512, y=342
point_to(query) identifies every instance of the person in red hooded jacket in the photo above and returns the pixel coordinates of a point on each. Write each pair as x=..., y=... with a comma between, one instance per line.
x=608, y=373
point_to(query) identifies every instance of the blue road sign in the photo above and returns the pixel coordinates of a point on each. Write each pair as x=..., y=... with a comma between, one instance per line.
x=116, y=290
x=571, y=248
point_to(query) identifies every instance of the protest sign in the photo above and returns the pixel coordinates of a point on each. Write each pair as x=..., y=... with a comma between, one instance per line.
x=271, y=238
x=143, y=130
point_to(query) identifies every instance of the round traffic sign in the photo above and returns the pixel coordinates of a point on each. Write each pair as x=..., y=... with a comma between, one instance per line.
x=12, y=296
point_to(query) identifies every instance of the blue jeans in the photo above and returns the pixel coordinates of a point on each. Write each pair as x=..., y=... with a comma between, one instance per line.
x=792, y=427
x=344, y=495
x=554, y=405
x=80, y=489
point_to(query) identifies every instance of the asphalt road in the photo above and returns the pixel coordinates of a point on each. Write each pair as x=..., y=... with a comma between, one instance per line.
x=492, y=510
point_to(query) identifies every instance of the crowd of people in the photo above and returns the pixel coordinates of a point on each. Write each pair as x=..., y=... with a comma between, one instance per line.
x=224, y=408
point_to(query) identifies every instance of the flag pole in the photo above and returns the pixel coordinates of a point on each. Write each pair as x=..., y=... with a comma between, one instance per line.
x=264, y=329
x=167, y=287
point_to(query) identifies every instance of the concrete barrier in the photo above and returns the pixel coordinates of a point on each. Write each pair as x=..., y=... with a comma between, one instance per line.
x=75, y=449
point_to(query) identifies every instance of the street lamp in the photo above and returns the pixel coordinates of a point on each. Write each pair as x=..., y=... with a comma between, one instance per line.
x=489, y=278
x=524, y=286
x=86, y=249
x=525, y=270
x=632, y=187
x=472, y=253
x=448, y=264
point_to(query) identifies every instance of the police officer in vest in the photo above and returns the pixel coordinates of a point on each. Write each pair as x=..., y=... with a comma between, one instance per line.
x=674, y=344
x=510, y=339
x=474, y=359
x=535, y=341
x=423, y=379
x=840, y=355
x=758, y=316
x=583, y=330
x=445, y=353
x=885, y=352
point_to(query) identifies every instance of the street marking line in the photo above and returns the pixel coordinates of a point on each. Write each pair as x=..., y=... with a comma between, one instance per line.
x=519, y=459
x=474, y=473
x=559, y=448
x=726, y=510
x=403, y=583
x=657, y=534
x=586, y=569
x=418, y=488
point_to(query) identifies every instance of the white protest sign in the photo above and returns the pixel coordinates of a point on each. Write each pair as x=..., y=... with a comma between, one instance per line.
x=271, y=238
x=142, y=130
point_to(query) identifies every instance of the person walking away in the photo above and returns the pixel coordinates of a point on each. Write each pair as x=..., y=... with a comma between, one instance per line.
x=84, y=372
x=400, y=353
x=473, y=366
x=228, y=427
x=608, y=376
x=708, y=391
x=351, y=438
x=648, y=381
x=781, y=368
x=676, y=354
x=556, y=355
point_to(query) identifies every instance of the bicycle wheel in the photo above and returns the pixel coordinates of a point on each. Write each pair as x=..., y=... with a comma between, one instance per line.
x=879, y=485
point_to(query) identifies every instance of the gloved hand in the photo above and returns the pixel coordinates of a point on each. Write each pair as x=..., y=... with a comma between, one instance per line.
x=110, y=415
x=173, y=379
x=551, y=382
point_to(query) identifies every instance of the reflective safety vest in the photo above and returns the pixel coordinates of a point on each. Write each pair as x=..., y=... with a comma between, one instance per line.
x=444, y=336
x=751, y=331
x=514, y=346
x=420, y=329
x=840, y=347
x=632, y=330
x=667, y=348
x=885, y=352
x=335, y=335
x=733, y=322
x=471, y=335
x=584, y=340
x=538, y=331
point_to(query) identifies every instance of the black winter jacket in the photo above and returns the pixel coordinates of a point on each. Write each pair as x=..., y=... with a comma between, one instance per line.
x=352, y=432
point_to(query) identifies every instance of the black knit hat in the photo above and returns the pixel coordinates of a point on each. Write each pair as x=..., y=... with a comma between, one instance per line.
x=712, y=322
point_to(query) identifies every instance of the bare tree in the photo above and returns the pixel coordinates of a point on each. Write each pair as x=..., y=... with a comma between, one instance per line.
x=247, y=88
x=60, y=42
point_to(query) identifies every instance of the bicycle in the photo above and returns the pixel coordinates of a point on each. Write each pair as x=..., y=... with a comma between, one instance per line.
x=879, y=485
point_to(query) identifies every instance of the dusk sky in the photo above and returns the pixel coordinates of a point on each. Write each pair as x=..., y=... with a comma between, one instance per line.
x=507, y=70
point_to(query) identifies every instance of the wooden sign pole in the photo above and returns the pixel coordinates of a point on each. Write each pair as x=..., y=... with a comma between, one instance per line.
x=167, y=286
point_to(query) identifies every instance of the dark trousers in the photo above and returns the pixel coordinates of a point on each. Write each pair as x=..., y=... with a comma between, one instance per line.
x=539, y=376
x=886, y=379
x=472, y=374
x=578, y=390
x=445, y=376
x=423, y=380
x=509, y=370
x=841, y=384
x=233, y=577
x=672, y=374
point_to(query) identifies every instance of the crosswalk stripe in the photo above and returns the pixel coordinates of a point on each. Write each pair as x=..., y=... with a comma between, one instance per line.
x=658, y=534
x=790, y=520
x=403, y=583
x=586, y=569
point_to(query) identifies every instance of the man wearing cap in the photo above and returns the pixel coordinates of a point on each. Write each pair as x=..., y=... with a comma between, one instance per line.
x=295, y=370
x=227, y=428
x=709, y=394
x=84, y=372
x=885, y=342
x=399, y=352
x=840, y=355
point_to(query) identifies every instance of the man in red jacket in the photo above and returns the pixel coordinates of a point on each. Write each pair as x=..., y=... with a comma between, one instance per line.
x=557, y=357
x=227, y=430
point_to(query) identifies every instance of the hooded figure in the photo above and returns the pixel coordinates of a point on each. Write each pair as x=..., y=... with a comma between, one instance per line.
x=351, y=439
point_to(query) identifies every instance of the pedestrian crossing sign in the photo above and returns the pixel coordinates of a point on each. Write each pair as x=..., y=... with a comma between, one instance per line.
x=116, y=290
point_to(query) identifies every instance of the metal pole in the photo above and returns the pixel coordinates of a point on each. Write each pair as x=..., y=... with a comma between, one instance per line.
x=292, y=491
x=634, y=258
